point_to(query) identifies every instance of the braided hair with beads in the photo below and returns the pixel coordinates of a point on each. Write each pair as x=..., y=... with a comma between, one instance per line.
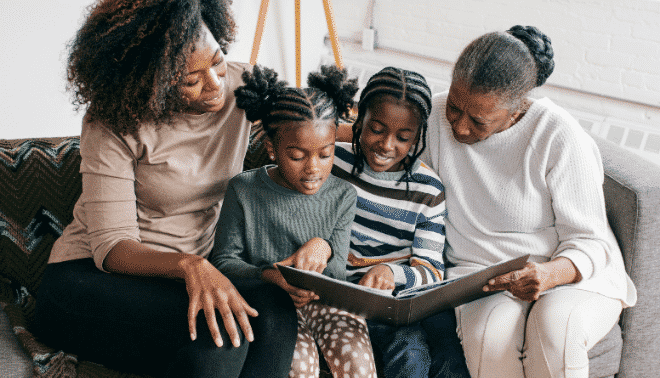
x=264, y=98
x=403, y=86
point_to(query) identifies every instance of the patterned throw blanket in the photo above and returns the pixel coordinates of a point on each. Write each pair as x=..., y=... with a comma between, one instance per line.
x=39, y=185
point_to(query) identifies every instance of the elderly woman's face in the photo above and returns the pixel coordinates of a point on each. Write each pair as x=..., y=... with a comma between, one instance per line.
x=204, y=88
x=476, y=116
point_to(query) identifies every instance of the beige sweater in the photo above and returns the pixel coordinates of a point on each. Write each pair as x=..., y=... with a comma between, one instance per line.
x=163, y=189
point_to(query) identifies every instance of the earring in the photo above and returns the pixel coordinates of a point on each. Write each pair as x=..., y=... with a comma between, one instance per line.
x=272, y=157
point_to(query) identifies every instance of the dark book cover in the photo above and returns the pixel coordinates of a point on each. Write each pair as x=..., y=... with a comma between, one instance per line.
x=405, y=307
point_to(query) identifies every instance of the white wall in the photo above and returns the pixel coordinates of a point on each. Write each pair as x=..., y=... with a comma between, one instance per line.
x=606, y=47
x=607, y=53
x=34, y=34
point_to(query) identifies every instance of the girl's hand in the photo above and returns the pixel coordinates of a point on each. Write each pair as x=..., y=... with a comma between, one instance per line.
x=299, y=296
x=208, y=290
x=313, y=255
x=378, y=277
x=531, y=281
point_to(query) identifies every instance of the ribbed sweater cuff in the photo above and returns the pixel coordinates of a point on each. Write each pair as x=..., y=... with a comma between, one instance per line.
x=581, y=261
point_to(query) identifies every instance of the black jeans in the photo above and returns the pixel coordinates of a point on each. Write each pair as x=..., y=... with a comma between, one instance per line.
x=140, y=325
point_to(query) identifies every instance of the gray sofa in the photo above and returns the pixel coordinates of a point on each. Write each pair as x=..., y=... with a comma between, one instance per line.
x=39, y=183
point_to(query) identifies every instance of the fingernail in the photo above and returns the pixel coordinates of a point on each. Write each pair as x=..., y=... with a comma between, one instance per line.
x=237, y=342
x=193, y=336
x=491, y=282
x=250, y=337
x=218, y=341
x=486, y=288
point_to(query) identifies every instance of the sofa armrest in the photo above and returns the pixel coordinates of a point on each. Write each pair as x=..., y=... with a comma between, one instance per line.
x=632, y=197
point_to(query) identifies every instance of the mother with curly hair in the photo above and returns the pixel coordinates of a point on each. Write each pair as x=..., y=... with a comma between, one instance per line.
x=128, y=284
x=522, y=177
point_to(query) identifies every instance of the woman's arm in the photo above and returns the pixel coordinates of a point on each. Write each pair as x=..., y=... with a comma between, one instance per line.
x=207, y=288
x=344, y=132
x=109, y=204
x=575, y=181
x=529, y=282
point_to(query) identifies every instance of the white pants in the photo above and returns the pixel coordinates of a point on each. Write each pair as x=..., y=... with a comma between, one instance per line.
x=502, y=337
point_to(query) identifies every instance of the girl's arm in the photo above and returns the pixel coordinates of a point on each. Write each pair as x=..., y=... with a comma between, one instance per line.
x=340, y=239
x=207, y=288
x=426, y=263
x=229, y=249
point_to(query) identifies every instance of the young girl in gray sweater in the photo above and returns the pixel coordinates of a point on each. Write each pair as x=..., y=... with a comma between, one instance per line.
x=296, y=213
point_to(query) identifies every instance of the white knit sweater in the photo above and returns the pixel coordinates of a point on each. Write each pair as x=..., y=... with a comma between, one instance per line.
x=534, y=188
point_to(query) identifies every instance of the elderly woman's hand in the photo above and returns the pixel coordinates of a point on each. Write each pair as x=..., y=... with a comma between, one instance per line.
x=209, y=290
x=531, y=281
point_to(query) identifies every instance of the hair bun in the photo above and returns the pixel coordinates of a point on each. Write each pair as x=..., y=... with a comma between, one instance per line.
x=259, y=93
x=540, y=47
x=333, y=81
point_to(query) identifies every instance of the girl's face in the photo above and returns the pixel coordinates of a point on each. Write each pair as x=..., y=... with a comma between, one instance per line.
x=389, y=130
x=204, y=88
x=304, y=153
x=476, y=116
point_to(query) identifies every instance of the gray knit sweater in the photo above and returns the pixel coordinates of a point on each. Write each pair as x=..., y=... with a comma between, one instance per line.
x=262, y=223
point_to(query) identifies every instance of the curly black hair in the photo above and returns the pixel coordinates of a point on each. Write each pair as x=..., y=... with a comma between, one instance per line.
x=128, y=59
x=401, y=85
x=329, y=95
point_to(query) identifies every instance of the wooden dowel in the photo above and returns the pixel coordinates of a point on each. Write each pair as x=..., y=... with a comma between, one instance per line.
x=263, y=10
x=298, y=70
x=332, y=29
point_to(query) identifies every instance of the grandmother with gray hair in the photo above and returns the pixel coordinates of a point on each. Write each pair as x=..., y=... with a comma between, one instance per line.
x=522, y=177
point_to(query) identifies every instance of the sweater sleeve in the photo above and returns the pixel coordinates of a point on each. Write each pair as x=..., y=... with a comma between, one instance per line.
x=426, y=261
x=108, y=196
x=340, y=239
x=575, y=181
x=229, y=249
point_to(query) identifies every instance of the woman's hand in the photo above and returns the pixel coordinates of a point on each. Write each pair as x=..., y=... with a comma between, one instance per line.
x=313, y=255
x=531, y=281
x=299, y=296
x=378, y=277
x=209, y=290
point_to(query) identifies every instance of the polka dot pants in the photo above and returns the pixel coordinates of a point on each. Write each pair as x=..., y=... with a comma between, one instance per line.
x=342, y=337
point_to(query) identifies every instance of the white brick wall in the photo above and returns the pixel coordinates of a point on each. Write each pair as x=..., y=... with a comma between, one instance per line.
x=607, y=53
x=606, y=47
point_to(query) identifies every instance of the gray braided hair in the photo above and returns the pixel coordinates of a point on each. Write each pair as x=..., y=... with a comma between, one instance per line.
x=507, y=64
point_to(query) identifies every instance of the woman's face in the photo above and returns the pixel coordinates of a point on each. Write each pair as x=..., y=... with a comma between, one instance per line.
x=204, y=88
x=304, y=153
x=476, y=116
x=389, y=130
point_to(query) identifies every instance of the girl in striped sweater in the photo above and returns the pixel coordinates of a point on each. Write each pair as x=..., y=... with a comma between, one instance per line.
x=398, y=233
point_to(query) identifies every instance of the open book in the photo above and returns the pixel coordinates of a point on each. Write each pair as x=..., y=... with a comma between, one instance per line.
x=406, y=306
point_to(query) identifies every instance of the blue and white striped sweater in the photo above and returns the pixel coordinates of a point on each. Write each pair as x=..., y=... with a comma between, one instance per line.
x=404, y=230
